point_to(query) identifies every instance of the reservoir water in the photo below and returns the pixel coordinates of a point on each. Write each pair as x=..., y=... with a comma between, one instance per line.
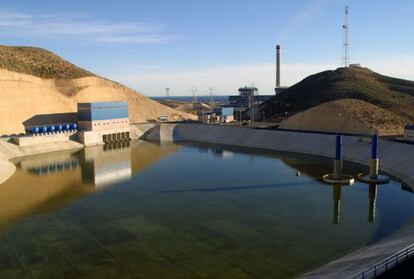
x=184, y=211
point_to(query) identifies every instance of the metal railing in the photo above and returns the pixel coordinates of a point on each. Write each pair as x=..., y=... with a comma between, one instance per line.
x=386, y=264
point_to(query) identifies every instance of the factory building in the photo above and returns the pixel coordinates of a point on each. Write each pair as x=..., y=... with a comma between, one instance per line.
x=103, y=122
x=224, y=114
x=247, y=96
x=245, y=103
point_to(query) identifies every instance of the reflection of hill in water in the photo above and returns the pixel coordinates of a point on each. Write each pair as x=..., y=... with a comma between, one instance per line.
x=311, y=169
x=45, y=182
x=144, y=154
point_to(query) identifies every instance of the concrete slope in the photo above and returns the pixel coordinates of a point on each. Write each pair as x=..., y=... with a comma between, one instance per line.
x=28, y=99
x=6, y=169
x=346, y=116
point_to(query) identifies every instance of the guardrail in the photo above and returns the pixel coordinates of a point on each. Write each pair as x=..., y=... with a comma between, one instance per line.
x=386, y=264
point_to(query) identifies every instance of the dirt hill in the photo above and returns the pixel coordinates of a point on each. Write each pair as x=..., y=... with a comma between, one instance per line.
x=347, y=116
x=38, y=62
x=392, y=94
x=193, y=108
x=36, y=85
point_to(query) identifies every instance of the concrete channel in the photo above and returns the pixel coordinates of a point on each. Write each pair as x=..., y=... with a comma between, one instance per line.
x=396, y=160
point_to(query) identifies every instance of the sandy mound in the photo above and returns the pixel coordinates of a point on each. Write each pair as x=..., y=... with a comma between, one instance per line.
x=25, y=99
x=393, y=94
x=347, y=116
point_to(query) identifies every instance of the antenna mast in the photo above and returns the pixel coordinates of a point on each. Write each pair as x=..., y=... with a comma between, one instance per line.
x=345, y=58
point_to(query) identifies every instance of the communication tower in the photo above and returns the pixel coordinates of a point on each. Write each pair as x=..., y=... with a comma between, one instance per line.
x=345, y=58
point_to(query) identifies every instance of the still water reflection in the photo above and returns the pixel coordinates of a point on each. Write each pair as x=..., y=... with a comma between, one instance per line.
x=168, y=211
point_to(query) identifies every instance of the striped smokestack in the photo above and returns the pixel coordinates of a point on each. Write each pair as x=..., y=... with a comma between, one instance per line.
x=277, y=66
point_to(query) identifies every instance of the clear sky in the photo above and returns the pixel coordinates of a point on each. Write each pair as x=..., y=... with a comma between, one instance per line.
x=151, y=44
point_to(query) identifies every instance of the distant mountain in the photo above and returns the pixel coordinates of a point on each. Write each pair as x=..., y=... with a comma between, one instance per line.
x=392, y=94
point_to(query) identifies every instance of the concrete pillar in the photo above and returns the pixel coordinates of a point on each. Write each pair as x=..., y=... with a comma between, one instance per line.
x=338, y=158
x=374, y=164
x=374, y=168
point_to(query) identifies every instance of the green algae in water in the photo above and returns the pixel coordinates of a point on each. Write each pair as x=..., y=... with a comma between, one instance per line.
x=184, y=211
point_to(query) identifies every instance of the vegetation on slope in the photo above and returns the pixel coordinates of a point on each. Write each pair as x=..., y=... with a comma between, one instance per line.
x=393, y=94
x=38, y=62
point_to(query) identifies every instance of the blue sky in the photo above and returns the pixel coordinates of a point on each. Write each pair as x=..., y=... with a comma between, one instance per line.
x=149, y=45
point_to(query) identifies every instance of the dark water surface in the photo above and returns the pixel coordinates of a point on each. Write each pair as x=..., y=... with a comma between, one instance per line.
x=184, y=211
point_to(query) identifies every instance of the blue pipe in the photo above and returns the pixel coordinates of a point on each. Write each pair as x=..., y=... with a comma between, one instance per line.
x=374, y=147
x=338, y=150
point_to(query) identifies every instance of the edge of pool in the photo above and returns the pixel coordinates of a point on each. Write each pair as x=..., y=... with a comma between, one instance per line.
x=7, y=169
x=395, y=159
x=10, y=151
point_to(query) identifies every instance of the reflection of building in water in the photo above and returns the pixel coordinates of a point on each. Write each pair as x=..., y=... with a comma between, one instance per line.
x=107, y=164
x=49, y=165
x=337, y=193
x=372, y=201
x=220, y=153
x=26, y=192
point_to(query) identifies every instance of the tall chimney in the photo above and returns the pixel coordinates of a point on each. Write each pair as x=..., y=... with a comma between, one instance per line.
x=277, y=66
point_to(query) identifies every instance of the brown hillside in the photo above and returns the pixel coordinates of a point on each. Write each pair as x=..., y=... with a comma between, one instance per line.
x=396, y=95
x=38, y=87
x=38, y=62
x=347, y=116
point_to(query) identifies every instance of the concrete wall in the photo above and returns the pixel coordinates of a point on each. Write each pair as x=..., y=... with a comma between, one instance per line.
x=6, y=170
x=138, y=130
x=395, y=158
x=162, y=133
x=43, y=139
x=9, y=151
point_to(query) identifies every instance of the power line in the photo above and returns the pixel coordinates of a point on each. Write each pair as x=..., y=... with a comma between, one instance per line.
x=211, y=90
x=194, y=90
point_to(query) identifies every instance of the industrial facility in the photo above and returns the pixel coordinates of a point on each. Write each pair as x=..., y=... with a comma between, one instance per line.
x=278, y=88
x=97, y=123
x=245, y=103
x=103, y=122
